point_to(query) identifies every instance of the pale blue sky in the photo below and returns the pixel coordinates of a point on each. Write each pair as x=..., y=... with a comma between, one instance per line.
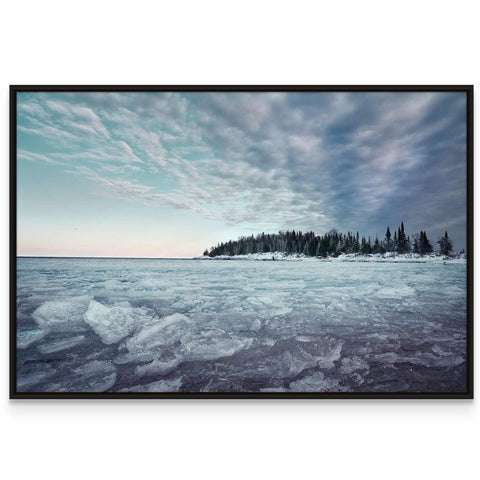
x=170, y=174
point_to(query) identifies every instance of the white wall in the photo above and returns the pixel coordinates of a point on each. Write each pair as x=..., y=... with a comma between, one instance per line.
x=208, y=42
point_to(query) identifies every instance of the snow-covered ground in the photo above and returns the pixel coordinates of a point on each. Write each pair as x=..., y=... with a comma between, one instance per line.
x=93, y=325
x=349, y=257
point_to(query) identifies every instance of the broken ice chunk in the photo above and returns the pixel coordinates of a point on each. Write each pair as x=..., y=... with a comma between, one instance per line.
x=112, y=323
x=28, y=337
x=166, y=331
x=60, y=345
x=63, y=315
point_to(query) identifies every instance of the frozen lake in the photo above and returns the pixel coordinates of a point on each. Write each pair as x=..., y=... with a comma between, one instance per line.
x=95, y=325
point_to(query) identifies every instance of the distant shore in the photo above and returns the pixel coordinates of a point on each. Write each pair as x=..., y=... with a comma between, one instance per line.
x=390, y=257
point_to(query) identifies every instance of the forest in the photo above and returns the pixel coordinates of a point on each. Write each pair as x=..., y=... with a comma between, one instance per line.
x=333, y=244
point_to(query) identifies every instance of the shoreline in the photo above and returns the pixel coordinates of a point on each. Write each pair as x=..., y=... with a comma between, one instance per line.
x=389, y=257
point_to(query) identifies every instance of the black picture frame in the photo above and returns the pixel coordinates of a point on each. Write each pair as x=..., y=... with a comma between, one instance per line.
x=14, y=89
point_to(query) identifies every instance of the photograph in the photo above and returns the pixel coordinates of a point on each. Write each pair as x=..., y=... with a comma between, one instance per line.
x=241, y=241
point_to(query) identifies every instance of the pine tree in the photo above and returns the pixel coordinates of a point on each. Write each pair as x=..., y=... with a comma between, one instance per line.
x=312, y=247
x=445, y=244
x=424, y=245
x=289, y=247
x=322, y=248
x=388, y=240
x=427, y=246
x=365, y=248
x=403, y=244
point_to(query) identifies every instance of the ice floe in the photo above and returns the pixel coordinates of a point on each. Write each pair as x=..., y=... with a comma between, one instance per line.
x=28, y=337
x=164, y=332
x=112, y=323
x=62, y=315
x=211, y=348
x=158, y=366
x=60, y=345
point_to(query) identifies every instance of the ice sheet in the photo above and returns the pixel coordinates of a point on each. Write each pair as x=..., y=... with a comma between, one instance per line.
x=303, y=325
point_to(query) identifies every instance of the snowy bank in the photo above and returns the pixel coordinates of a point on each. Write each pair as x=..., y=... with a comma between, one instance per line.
x=390, y=257
x=282, y=256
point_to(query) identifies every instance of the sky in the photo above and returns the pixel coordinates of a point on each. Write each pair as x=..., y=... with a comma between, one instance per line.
x=165, y=174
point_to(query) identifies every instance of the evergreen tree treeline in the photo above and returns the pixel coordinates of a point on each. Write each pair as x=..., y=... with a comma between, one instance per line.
x=333, y=243
x=446, y=246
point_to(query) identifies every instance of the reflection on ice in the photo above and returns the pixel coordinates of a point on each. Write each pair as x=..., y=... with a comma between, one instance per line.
x=167, y=325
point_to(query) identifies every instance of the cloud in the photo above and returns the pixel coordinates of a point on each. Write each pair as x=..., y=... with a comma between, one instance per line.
x=91, y=120
x=129, y=154
x=35, y=157
x=58, y=118
x=277, y=160
x=114, y=188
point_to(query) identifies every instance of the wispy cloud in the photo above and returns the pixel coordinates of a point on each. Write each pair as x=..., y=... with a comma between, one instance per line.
x=36, y=157
x=302, y=160
x=121, y=189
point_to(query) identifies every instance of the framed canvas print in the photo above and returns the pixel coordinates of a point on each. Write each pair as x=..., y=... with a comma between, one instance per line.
x=241, y=241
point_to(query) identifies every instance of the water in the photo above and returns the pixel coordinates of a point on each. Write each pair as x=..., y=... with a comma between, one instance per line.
x=94, y=325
